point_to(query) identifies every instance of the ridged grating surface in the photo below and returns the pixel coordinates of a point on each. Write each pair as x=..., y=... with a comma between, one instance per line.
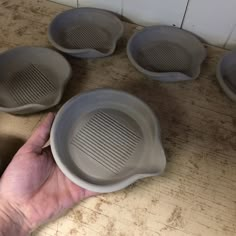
x=107, y=141
x=87, y=36
x=29, y=86
x=165, y=57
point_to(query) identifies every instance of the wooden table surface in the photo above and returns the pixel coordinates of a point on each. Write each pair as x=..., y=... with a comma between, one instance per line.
x=197, y=193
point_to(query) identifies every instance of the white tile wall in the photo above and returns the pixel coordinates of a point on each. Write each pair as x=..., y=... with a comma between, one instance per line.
x=143, y=12
x=111, y=5
x=213, y=20
x=72, y=3
x=231, y=43
x=149, y=12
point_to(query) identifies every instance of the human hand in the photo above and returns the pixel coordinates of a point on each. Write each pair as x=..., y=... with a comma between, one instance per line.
x=32, y=189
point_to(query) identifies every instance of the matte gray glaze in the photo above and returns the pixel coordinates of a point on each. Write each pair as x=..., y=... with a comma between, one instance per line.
x=166, y=53
x=32, y=79
x=85, y=32
x=105, y=140
x=226, y=74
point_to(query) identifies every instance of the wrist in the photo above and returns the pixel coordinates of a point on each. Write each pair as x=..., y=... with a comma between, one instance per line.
x=12, y=220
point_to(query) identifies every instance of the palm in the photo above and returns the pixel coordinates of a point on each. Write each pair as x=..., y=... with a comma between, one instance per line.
x=34, y=183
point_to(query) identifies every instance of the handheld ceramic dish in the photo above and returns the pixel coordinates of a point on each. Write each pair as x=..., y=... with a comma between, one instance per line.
x=166, y=53
x=226, y=74
x=85, y=32
x=31, y=79
x=105, y=140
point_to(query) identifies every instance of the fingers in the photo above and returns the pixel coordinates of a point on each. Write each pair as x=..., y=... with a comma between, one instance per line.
x=41, y=135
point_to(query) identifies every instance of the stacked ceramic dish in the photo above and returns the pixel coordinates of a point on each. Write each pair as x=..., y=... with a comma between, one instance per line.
x=85, y=32
x=32, y=79
x=166, y=53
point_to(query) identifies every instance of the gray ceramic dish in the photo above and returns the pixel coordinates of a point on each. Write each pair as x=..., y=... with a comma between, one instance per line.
x=85, y=32
x=166, y=53
x=226, y=74
x=105, y=140
x=32, y=79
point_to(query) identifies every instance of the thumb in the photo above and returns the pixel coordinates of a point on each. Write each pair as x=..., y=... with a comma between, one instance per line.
x=40, y=136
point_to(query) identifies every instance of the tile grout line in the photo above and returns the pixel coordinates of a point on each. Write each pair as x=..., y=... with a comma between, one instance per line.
x=185, y=12
x=228, y=38
x=122, y=8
